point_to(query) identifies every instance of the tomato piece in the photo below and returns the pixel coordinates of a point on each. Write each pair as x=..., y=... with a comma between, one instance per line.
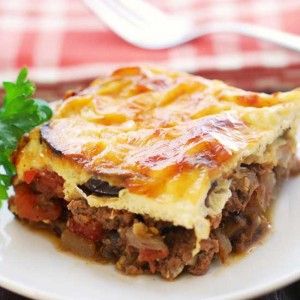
x=91, y=230
x=151, y=254
x=30, y=175
x=30, y=206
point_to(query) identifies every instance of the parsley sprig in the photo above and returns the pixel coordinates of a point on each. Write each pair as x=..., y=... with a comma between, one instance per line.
x=19, y=114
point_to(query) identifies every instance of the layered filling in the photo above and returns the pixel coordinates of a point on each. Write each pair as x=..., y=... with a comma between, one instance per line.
x=138, y=243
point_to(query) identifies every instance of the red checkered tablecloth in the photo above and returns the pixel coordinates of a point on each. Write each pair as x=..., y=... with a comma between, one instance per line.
x=62, y=41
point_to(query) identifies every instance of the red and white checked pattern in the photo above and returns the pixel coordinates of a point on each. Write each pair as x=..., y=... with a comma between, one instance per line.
x=61, y=40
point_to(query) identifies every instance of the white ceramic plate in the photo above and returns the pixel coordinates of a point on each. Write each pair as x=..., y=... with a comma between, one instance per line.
x=31, y=265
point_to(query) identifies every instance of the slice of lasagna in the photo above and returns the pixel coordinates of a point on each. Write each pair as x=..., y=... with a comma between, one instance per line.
x=157, y=171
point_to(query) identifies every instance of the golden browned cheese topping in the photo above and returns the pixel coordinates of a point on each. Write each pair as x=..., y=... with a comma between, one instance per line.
x=143, y=127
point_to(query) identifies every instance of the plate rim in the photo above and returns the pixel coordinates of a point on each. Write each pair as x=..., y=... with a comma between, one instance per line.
x=251, y=292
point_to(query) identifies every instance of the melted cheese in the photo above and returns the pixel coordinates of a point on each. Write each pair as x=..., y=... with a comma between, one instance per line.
x=163, y=136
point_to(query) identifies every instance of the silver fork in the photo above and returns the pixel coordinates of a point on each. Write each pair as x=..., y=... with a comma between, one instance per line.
x=145, y=26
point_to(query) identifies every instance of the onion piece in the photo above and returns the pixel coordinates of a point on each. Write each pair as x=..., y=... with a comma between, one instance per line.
x=78, y=244
x=150, y=247
x=225, y=247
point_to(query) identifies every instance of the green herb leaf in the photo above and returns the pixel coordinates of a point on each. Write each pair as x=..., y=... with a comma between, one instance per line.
x=19, y=114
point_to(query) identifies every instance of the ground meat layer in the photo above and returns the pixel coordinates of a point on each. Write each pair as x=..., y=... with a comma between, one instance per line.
x=138, y=244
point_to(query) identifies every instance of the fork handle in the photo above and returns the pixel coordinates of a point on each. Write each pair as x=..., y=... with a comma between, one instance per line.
x=285, y=39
